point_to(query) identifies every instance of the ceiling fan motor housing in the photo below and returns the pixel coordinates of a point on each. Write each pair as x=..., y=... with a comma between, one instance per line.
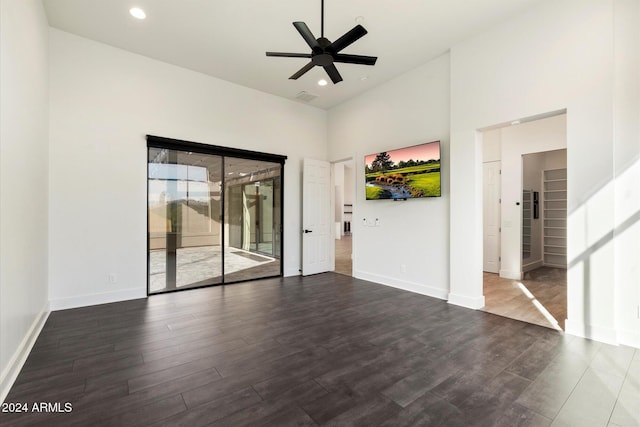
x=322, y=54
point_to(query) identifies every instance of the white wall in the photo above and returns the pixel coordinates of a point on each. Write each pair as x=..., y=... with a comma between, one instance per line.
x=491, y=146
x=557, y=55
x=532, y=137
x=23, y=182
x=103, y=103
x=626, y=144
x=410, y=247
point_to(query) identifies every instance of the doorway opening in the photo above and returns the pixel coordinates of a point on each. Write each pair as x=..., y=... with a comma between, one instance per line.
x=344, y=183
x=214, y=215
x=524, y=221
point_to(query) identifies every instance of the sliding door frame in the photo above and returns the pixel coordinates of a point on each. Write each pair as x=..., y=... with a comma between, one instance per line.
x=154, y=141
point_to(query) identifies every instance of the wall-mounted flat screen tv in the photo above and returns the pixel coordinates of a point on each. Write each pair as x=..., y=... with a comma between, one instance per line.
x=405, y=173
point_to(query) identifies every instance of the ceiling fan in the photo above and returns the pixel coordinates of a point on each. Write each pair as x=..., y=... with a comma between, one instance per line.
x=324, y=53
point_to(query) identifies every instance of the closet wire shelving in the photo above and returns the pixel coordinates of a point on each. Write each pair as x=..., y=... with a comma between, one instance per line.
x=555, y=217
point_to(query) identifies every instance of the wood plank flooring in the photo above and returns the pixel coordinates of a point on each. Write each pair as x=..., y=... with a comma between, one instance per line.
x=321, y=350
x=344, y=263
x=540, y=298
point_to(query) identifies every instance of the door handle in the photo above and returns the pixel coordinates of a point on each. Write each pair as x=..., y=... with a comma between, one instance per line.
x=307, y=231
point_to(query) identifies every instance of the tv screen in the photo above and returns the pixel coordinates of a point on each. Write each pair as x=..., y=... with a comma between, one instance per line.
x=405, y=173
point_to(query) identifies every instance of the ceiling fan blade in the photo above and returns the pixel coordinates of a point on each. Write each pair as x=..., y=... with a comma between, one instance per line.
x=302, y=70
x=349, y=37
x=289, y=55
x=306, y=34
x=355, y=59
x=333, y=73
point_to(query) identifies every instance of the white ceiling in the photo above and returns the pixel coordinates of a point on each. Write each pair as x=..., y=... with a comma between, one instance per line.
x=228, y=38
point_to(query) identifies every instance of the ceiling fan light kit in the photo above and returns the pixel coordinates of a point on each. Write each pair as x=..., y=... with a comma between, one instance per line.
x=324, y=53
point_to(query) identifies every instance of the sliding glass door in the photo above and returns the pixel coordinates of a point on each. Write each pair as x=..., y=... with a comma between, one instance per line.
x=212, y=218
x=253, y=219
x=185, y=232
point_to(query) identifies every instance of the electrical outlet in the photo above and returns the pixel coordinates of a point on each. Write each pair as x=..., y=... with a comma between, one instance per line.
x=113, y=278
x=403, y=268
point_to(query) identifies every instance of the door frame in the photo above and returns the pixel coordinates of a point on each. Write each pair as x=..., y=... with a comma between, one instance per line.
x=354, y=192
x=216, y=150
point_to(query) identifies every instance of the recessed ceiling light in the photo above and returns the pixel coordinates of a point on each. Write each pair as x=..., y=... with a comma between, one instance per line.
x=136, y=12
x=363, y=78
x=359, y=19
x=322, y=82
x=515, y=122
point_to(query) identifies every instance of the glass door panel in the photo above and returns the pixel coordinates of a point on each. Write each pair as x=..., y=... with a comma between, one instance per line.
x=252, y=223
x=277, y=217
x=250, y=206
x=264, y=235
x=185, y=210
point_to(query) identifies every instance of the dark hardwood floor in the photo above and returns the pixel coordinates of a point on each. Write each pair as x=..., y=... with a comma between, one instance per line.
x=321, y=350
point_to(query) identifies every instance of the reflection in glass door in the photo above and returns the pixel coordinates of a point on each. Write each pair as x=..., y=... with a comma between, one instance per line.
x=200, y=204
x=184, y=219
x=258, y=221
x=253, y=220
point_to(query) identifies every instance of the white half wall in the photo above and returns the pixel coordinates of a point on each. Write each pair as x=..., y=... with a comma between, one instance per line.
x=555, y=56
x=24, y=192
x=103, y=102
x=626, y=142
x=409, y=248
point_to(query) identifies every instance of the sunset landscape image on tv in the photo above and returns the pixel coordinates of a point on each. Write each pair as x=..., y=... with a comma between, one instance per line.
x=406, y=173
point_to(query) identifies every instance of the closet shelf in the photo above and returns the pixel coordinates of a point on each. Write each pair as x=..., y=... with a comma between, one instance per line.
x=555, y=184
x=527, y=217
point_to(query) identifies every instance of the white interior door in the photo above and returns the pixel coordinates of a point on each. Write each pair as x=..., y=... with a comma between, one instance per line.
x=491, y=216
x=317, y=230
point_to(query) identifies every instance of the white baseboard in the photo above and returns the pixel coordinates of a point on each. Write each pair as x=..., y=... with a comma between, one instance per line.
x=95, y=299
x=629, y=338
x=11, y=371
x=513, y=275
x=474, y=303
x=532, y=265
x=596, y=333
x=394, y=282
x=291, y=272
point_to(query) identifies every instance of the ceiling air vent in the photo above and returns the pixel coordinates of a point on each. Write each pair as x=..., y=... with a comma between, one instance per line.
x=305, y=96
